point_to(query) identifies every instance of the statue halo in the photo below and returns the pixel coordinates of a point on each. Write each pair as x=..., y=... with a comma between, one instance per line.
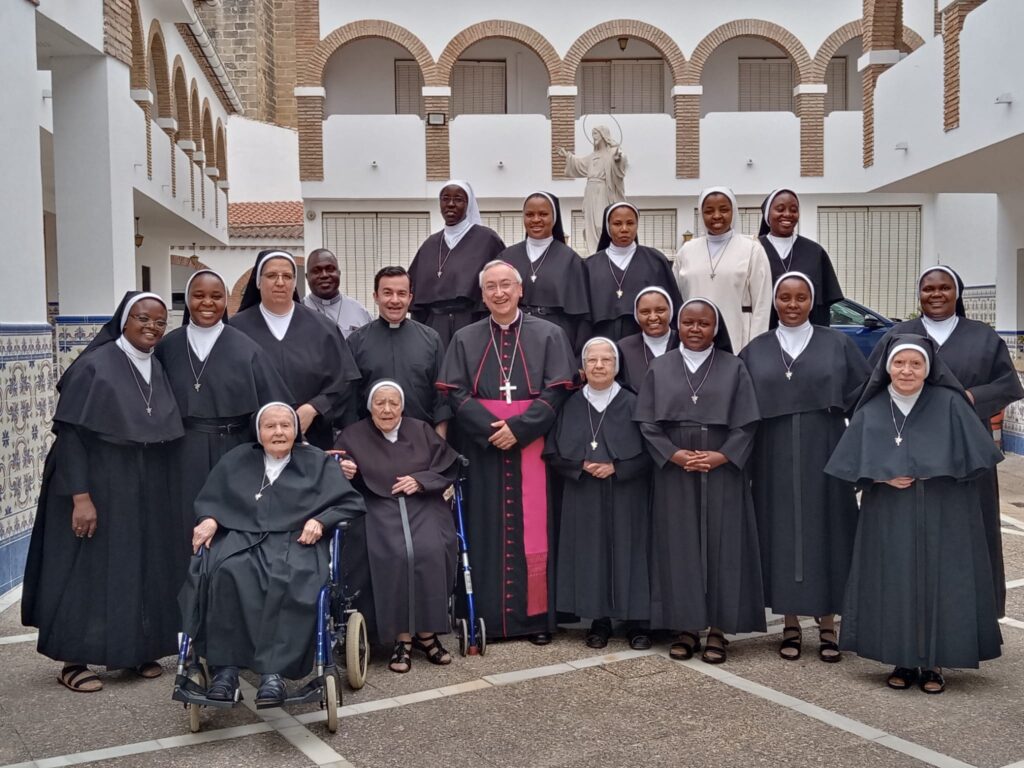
x=614, y=119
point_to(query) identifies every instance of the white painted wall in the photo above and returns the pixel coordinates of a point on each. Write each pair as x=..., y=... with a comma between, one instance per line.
x=965, y=236
x=263, y=161
x=360, y=78
x=720, y=77
x=81, y=18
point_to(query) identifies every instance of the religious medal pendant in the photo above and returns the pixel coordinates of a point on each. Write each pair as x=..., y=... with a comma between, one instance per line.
x=789, y=375
x=593, y=445
x=898, y=440
x=533, y=278
x=712, y=275
x=439, y=273
x=259, y=496
x=149, y=411
x=694, y=398
x=198, y=386
x=618, y=293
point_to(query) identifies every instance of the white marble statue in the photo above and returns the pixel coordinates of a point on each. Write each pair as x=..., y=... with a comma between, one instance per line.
x=605, y=172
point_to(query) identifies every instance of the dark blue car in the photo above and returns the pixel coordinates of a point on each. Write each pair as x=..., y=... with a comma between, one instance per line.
x=865, y=326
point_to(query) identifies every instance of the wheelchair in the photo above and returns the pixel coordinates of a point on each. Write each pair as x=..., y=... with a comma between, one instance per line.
x=341, y=639
x=470, y=630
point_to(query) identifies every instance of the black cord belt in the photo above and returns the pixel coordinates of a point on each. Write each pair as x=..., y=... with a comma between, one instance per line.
x=216, y=426
x=539, y=311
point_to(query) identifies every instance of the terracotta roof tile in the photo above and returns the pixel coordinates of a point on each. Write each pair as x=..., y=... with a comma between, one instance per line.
x=270, y=219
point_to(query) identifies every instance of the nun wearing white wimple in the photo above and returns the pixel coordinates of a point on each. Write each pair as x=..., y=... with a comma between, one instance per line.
x=306, y=349
x=728, y=267
x=443, y=273
x=105, y=559
x=598, y=450
x=653, y=311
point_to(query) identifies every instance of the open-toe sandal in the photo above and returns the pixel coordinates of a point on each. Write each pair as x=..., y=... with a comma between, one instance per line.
x=399, y=657
x=931, y=681
x=789, y=649
x=600, y=631
x=149, y=670
x=901, y=678
x=432, y=648
x=715, y=654
x=687, y=644
x=828, y=649
x=80, y=679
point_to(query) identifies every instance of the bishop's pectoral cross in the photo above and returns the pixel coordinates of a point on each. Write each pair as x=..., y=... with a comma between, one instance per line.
x=507, y=389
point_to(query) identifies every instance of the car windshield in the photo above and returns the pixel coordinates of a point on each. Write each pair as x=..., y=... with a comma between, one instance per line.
x=844, y=314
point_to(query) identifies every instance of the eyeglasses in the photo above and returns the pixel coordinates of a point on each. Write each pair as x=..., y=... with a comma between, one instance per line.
x=145, y=320
x=504, y=285
x=274, y=277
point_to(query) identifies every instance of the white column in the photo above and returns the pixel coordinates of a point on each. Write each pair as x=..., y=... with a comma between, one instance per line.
x=1009, y=274
x=23, y=287
x=93, y=179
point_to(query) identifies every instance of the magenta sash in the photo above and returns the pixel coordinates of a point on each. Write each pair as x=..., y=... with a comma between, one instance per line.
x=534, y=491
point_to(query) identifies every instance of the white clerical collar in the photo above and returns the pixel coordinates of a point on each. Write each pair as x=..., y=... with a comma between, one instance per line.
x=537, y=248
x=389, y=324
x=619, y=256
x=273, y=467
x=392, y=435
x=600, y=399
x=506, y=327
x=794, y=339
x=325, y=302
x=278, y=324
x=695, y=360
x=202, y=339
x=455, y=233
x=657, y=344
x=940, y=330
x=904, y=402
x=782, y=245
x=142, y=361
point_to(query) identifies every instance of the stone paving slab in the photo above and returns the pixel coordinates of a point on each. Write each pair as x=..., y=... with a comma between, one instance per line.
x=265, y=749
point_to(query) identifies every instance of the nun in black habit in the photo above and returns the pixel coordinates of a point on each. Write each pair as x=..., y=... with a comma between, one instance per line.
x=605, y=522
x=554, y=278
x=789, y=252
x=219, y=377
x=619, y=270
x=403, y=468
x=978, y=357
x=264, y=522
x=305, y=347
x=653, y=312
x=698, y=412
x=920, y=592
x=101, y=575
x=446, y=295
x=807, y=380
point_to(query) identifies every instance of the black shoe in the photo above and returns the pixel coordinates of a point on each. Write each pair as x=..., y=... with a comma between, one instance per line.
x=639, y=638
x=272, y=691
x=541, y=638
x=600, y=631
x=224, y=684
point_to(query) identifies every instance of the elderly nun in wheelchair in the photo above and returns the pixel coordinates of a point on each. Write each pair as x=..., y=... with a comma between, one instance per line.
x=264, y=517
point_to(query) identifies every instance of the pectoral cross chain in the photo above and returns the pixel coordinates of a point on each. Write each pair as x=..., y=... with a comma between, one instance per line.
x=507, y=389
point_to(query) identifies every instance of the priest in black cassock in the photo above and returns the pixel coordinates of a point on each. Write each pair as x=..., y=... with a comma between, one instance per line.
x=620, y=269
x=394, y=346
x=507, y=376
x=101, y=576
x=554, y=278
x=219, y=377
x=920, y=591
x=653, y=312
x=978, y=357
x=605, y=515
x=445, y=268
x=807, y=379
x=306, y=349
x=789, y=252
x=403, y=468
x=263, y=526
x=698, y=412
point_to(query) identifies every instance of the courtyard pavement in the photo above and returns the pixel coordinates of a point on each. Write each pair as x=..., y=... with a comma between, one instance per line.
x=562, y=705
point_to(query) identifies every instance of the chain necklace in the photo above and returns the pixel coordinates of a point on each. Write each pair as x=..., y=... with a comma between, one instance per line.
x=803, y=346
x=899, y=429
x=618, y=282
x=713, y=263
x=440, y=245
x=590, y=418
x=540, y=262
x=508, y=387
x=197, y=376
x=686, y=373
x=135, y=376
x=264, y=484
x=322, y=309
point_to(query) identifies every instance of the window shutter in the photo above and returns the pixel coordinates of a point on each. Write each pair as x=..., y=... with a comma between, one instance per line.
x=508, y=224
x=748, y=224
x=408, y=88
x=835, y=79
x=478, y=88
x=656, y=229
x=595, y=84
x=638, y=86
x=765, y=85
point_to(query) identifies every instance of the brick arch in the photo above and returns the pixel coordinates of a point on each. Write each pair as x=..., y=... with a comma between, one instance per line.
x=620, y=28
x=510, y=30
x=181, y=102
x=164, y=99
x=765, y=30
x=235, y=298
x=139, y=76
x=221, y=149
x=910, y=40
x=883, y=25
x=208, y=146
x=313, y=70
x=197, y=115
x=833, y=43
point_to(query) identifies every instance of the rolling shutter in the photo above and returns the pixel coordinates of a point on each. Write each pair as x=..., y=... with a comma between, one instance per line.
x=478, y=88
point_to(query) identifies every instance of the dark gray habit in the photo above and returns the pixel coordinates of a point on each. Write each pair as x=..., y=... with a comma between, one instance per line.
x=806, y=520
x=635, y=358
x=251, y=599
x=452, y=300
x=705, y=563
x=611, y=316
x=919, y=592
x=813, y=260
x=431, y=548
x=605, y=524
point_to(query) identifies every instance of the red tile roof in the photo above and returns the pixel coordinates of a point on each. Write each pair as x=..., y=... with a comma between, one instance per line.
x=281, y=219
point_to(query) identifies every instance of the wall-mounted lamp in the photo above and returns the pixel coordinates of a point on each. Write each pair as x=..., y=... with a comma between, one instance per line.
x=1004, y=98
x=436, y=118
x=623, y=42
x=138, y=235
x=687, y=236
x=901, y=147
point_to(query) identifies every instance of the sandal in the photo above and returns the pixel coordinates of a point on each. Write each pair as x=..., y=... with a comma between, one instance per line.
x=400, y=655
x=931, y=681
x=715, y=654
x=80, y=679
x=791, y=641
x=828, y=650
x=681, y=650
x=600, y=631
x=901, y=678
x=149, y=670
x=639, y=638
x=431, y=646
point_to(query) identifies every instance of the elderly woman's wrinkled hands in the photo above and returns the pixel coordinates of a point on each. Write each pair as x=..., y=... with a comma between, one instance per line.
x=312, y=532
x=407, y=485
x=348, y=467
x=203, y=533
x=900, y=482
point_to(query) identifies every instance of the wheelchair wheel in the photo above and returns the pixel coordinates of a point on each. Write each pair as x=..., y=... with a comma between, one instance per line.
x=357, y=651
x=481, y=635
x=462, y=633
x=331, y=700
x=193, y=717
